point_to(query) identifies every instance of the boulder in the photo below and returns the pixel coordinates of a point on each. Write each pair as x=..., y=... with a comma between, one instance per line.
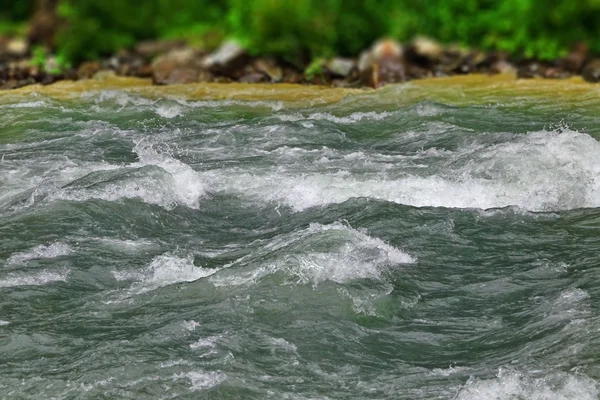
x=424, y=52
x=227, y=60
x=382, y=64
x=178, y=66
x=340, y=67
x=573, y=62
x=591, y=71
x=531, y=69
x=270, y=68
x=502, y=67
x=17, y=48
x=88, y=69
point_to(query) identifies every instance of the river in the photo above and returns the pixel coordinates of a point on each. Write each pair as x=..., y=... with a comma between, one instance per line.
x=433, y=240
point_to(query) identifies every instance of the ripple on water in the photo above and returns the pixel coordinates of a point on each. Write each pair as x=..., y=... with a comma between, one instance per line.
x=319, y=253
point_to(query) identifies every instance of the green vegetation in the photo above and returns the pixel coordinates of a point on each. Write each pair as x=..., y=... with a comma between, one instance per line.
x=301, y=30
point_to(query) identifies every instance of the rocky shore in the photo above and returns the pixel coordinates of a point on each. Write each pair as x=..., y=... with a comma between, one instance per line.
x=386, y=62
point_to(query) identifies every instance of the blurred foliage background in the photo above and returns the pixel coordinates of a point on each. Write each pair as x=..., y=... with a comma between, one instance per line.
x=305, y=29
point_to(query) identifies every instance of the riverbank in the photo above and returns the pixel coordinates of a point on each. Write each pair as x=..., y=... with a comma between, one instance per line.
x=385, y=62
x=458, y=90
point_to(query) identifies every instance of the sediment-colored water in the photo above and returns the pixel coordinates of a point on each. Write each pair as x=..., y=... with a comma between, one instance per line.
x=432, y=240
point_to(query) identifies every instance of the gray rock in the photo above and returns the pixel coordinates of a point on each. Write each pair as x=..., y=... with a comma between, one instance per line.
x=227, y=59
x=341, y=67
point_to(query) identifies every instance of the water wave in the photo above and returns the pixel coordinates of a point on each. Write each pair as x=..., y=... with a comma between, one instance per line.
x=511, y=384
x=319, y=253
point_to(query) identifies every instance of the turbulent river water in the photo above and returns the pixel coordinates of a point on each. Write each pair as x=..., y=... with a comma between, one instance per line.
x=408, y=243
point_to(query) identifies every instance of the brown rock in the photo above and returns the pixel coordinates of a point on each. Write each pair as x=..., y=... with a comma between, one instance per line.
x=531, y=69
x=270, y=68
x=9, y=84
x=502, y=67
x=591, y=71
x=178, y=66
x=255, y=77
x=143, y=71
x=382, y=64
x=556, y=73
x=88, y=69
x=574, y=61
x=168, y=72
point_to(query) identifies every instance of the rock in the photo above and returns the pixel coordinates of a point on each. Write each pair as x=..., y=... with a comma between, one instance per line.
x=144, y=71
x=17, y=48
x=4, y=71
x=424, y=52
x=227, y=59
x=254, y=77
x=88, y=69
x=104, y=74
x=9, y=84
x=169, y=73
x=382, y=64
x=340, y=67
x=574, y=61
x=152, y=48
x=181, y=75
x=502, y=67
x=556, y=73
x=591, y=71
x=292, y=76
x=178, y=66
x=531, y=69
x=270, y=68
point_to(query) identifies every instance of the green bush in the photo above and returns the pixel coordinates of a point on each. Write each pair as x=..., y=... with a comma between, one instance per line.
x=301, y=30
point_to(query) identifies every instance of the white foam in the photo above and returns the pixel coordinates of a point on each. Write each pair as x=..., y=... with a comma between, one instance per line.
x=4, y=323
x=349, y=254
x=202, y=380
x=169, y=111
x=190, y=325
x=168, y=269
x=128, y=245
x=205, y=343
x=280, y=343
x=451, y=370
x=514, y=385
x=52, y=250
x=172, y=183
x=540, y=171
x=324, y=116
x=37, y=279
x=186, y=183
